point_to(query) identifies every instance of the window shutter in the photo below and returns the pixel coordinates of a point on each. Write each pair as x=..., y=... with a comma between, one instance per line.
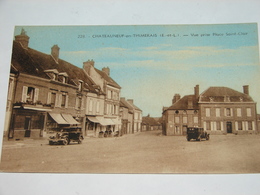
x=222, y=125
x=49, y=98
x=60, y=100
x=225, y=111
x=231, y=111
x=67, y=101
x=24, y=94
x=36, y=95
x=57, y=100
x=236, y=124
x=246, y=123
x=82, y=103
x=77, y=103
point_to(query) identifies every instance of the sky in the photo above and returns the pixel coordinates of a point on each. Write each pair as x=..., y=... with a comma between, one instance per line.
x=153, y=62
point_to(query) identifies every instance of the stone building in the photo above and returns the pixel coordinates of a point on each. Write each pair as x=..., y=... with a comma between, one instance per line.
x=127, y=116
x=151, y=123
x=109, y=119
x=137, y=116
x=46, y=93
x=219, y=110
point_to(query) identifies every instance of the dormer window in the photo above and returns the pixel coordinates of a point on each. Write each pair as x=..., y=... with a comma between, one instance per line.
x=52, y=73
x=63, y=77
x=80, y=85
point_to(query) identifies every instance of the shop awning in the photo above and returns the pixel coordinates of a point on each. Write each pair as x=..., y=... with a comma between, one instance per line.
x=58, y=118
x=109, y=121
x=98, y=119
x=116, y=121
x=70, y=119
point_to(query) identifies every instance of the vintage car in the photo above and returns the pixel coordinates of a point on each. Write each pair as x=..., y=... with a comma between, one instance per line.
x=196, y=133
x=66, y=136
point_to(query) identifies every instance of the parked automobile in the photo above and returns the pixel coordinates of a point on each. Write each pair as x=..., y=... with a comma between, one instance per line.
x=196, y=133
x=66, y=136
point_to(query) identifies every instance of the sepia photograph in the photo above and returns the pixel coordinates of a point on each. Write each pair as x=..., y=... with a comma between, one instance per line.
x=129, y=97
x=133, y=99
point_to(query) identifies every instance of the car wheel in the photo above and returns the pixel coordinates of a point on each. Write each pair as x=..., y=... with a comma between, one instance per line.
x=51, y=142
x=65, y=142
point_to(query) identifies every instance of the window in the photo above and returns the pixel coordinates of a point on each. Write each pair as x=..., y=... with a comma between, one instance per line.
x=195, y=119
x=98, y=106
x=228, y=111
x=63, y=100
x=78, y=103
x=239, y=125
x=90, y=108
x=80, y=85
x=208, y=126
x=239, y=112
x=218, y=124
x=248, y=112
x=185, y=119
x=207, y=110
x=250, y=126
x=30, y=94
x=109, y=94
x=177, y=119
x=217, y=112
x=53, y=98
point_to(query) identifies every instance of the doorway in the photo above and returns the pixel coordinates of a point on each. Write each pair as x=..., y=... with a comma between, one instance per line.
x=229, y=127
x=27, y=127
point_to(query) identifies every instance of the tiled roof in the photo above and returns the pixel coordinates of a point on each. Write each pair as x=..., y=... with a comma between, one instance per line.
x=134, y=106
x=108, y=79
x=220, y=94
x=33, y=62
x=182, y=104
x=149, y=121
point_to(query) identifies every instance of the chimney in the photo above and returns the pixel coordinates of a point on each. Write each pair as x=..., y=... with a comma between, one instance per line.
x=88, y=65
x=190, y=102
x=131, y=101
x=246, y=89
x=23, y=39
x=176, y=98
x=106, y=70
x=197, y=91
x=55, y=50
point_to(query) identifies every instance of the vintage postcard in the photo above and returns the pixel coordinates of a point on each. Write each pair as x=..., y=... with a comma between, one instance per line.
x=133, y=99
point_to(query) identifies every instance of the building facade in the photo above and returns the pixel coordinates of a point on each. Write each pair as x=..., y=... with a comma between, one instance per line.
x=47, y=93
x=219, y=110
